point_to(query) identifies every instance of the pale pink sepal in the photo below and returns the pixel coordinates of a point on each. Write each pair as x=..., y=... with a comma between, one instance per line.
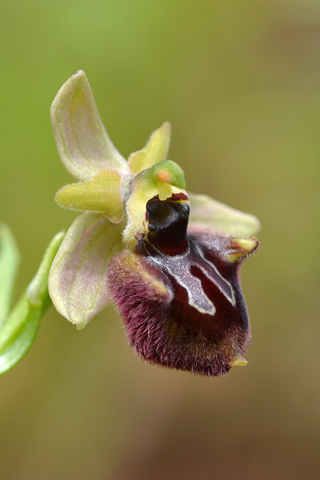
x=206, y=213
x=82, y=141
x=78, y=284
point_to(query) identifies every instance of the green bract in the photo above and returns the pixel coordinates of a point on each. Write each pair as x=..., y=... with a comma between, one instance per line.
x=19, y=328
x=113, y=194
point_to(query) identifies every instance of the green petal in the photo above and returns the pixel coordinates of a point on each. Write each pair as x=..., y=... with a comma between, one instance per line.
x=206, y=213
x=102, y=194
x=78, y=284
x=82, y=141
x=155, y=151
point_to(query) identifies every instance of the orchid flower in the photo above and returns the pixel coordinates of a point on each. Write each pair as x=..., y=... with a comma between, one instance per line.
x=168, y=259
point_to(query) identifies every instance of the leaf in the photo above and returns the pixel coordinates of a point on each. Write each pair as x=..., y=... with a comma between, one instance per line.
x=19, y=330
x=9, y=262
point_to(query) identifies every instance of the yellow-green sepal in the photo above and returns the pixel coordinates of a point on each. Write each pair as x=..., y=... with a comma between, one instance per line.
x=102, y=194
x=155, y=151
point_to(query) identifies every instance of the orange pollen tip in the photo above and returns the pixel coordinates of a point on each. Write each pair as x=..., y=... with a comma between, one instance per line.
x=163, y=176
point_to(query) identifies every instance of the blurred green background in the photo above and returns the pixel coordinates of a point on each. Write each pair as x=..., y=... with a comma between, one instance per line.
x=240, y=83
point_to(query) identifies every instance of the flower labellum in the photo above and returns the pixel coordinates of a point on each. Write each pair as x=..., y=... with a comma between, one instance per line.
x=179, y=294
x=169, y=260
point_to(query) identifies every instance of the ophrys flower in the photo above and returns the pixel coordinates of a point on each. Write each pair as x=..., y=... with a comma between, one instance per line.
x=168, y=259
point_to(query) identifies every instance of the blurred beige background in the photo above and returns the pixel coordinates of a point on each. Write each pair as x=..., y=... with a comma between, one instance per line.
x=240, y=83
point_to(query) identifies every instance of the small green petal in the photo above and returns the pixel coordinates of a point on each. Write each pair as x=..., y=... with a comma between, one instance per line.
x=82, y=141
x=102, y=194
x=163, y=179
x=206, y=213
x=78, y=283
x=155, y=151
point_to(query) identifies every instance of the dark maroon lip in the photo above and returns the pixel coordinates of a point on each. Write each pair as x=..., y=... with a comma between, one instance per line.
x=168, y=222
x=179, y=295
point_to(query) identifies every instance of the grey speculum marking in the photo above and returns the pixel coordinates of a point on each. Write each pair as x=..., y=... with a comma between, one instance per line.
x=179, y=257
